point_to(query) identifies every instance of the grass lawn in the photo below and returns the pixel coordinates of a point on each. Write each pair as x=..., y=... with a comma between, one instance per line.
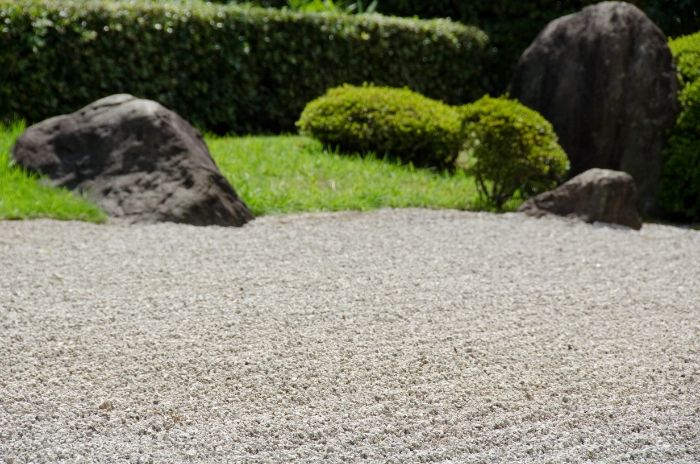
x=287, y=174
x=280, y=174
x=23, y=197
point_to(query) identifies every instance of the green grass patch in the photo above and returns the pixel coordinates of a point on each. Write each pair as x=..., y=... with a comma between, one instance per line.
x=273, y=175
x=22, y=196
x=290, y=174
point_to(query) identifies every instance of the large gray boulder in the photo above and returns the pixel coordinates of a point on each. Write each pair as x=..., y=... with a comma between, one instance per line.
x=597, y=195
x=135, y=159
x=605, y=79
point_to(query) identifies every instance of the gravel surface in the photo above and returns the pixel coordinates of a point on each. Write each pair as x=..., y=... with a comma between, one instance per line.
x=393, y=336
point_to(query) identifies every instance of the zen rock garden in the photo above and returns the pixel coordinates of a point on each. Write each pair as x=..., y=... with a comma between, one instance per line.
x=271, y=232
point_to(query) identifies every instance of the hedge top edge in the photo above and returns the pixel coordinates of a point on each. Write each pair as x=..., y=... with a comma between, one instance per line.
x=224, y=68
x=44, y=9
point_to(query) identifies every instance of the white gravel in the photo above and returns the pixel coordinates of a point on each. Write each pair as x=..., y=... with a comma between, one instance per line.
x=392, y=336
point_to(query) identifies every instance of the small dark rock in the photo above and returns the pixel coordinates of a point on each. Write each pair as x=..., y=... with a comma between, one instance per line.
x=136, y=160
x=605, y=79
x=597, y=195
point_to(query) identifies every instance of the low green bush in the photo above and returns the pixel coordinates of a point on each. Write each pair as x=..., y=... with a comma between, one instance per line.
x=680, y=186
x=390, y=122
x=222, y=67
x=510, y=148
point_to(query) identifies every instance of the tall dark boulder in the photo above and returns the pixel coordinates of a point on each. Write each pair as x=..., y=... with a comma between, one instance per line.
x=136, y=159
x=605, y=79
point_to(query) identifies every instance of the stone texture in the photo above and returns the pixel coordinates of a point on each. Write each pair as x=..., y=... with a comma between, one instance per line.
x=136, y=159
x=597, y=195
x=605, y=79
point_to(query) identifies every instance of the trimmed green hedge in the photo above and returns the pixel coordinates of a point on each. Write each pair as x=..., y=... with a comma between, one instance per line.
x=512, y=25
x=390, y=122
x=680, y=187
x=224, y=68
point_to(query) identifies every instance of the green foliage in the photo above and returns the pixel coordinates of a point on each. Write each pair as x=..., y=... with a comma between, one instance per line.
x=291, y=174
x=330, y=5
x=222, y=67
x=512, y=25
x=510, y=148
x=674, y=17
x=680, y=187
x=397, y=123
x=359, y=6
x=686, y=54
x=315, y=6
x=22, y=196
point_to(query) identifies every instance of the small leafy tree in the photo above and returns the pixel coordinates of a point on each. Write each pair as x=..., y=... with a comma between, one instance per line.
x=510, y=148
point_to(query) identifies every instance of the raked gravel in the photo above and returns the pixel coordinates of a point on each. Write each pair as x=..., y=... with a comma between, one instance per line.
x=387, y=336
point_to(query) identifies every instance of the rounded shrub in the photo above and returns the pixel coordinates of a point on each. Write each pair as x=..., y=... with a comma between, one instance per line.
x=680, y=186
x=397, y=123
x=510, y=148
